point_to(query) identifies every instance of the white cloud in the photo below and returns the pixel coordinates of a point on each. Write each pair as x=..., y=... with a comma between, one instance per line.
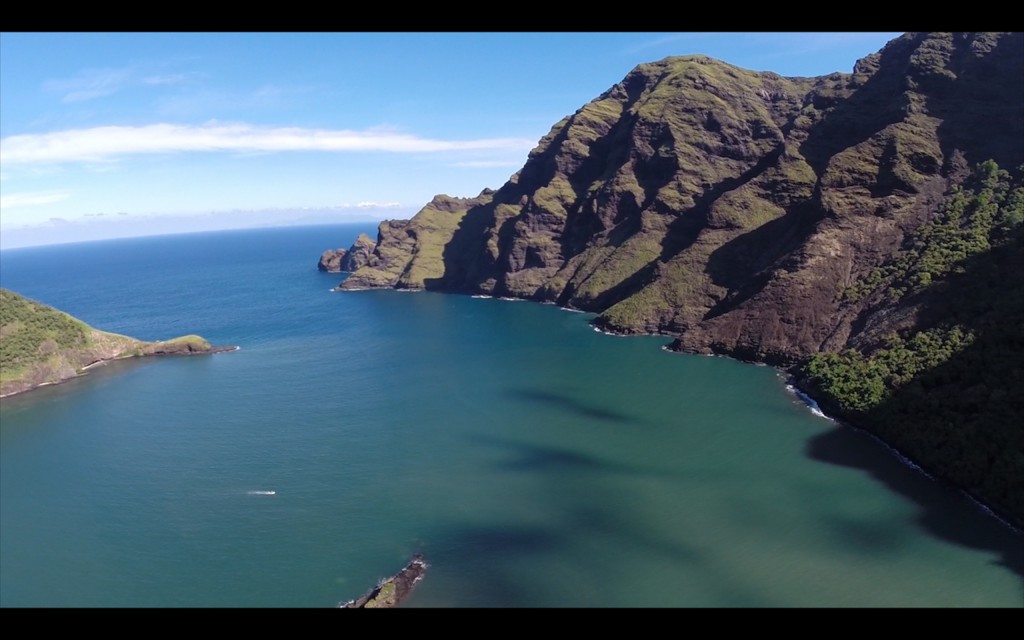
x=89, y=84
x=662, y=41
x=488, y=164
x=32, y=198
x=110, y=142
x=378, y=205
x=169, y=78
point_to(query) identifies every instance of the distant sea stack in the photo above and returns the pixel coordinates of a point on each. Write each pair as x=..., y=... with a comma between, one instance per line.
x=40, y=345
x=342, y=260
x=873, y=215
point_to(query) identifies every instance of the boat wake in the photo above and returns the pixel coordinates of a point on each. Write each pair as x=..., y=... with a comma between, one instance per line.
x=262, y=493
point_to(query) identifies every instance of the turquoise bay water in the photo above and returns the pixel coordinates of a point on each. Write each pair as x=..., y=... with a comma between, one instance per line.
x=533, y=461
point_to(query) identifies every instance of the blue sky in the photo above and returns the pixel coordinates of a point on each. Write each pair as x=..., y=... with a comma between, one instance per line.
x=114, y=134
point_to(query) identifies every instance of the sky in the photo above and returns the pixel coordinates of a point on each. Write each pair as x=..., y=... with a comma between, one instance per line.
x=119, y=134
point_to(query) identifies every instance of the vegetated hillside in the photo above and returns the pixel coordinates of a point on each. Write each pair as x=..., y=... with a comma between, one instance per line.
x=40, y=345
x=936, y=369
x=755, y=215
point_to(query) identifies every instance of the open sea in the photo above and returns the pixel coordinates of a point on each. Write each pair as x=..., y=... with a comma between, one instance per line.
x=533, y=461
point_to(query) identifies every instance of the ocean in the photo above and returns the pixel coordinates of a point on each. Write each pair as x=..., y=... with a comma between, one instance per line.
x=533, y=461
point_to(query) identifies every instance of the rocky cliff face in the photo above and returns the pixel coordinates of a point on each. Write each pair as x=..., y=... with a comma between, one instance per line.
x=351, y=259
x=727, y=207
x=330, y=260
x=410, y=254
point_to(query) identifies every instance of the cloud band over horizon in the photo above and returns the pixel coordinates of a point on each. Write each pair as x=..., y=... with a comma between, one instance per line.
x=106, y=143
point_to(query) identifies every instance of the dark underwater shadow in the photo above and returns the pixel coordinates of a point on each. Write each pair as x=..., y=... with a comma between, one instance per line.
x=945, y=512
x=572, y=405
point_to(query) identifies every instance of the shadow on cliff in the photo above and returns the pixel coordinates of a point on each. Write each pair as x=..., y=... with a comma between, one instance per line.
x=468, y=263
x=854, y=114
x=980, y=117
x=744, y=264
x=981, y=109
x=465, y=255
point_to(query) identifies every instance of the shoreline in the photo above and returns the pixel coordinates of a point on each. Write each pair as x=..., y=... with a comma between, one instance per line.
x=786, y=373
x=790, y=380
x=83, y=371
x=904, y=459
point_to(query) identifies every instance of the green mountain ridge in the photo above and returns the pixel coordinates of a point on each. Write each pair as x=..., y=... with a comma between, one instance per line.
x=40, y=345
x=772, y=219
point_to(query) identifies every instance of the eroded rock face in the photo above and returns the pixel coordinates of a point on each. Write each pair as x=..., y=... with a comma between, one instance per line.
x=413, y=254
x=351, y=259
x=727, y=207
x=330, y=260
x=358, y=255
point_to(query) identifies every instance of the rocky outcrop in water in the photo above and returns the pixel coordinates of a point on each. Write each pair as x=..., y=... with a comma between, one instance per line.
x=351, y=259
x=390, y=592
x=330, y=260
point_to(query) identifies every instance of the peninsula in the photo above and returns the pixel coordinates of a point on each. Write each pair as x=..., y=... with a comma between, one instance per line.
x=40, y=345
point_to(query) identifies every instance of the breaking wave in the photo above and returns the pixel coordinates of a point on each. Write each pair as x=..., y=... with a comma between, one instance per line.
x=809, y=401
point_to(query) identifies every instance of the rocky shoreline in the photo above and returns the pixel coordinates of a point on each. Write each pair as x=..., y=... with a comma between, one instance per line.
x=391, y=592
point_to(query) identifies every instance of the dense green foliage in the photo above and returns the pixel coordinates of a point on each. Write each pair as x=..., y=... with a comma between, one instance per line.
x=973, y=219
x=41, y=345
x=986, y=212
x=30, y=330
x=949, y=393
x=857, y=383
